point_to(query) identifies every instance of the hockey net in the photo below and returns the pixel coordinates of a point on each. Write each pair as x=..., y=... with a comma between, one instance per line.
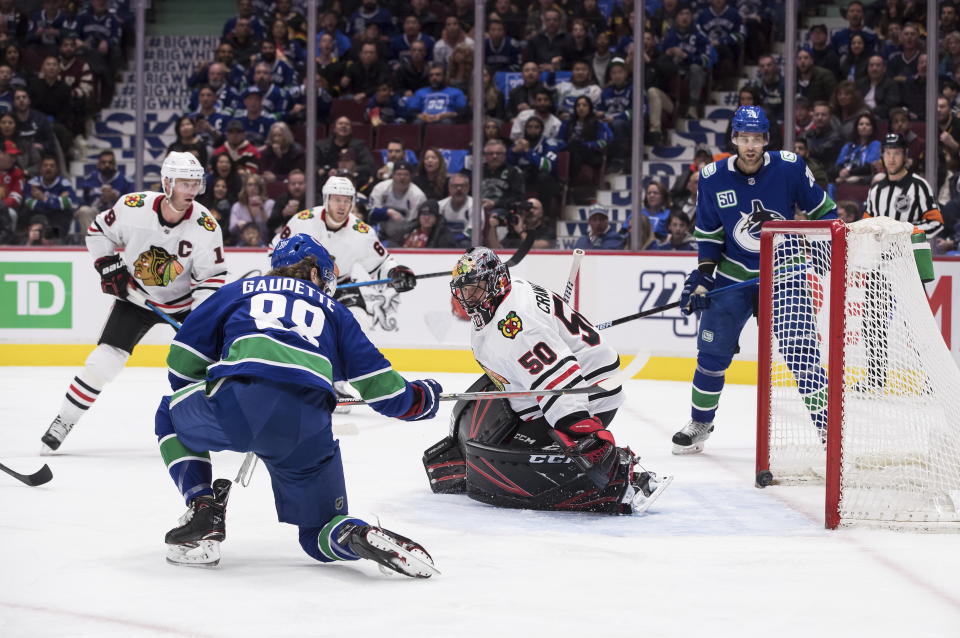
x=857, y=389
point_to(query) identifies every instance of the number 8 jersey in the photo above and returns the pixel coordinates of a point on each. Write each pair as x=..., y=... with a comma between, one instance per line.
x=536, y=341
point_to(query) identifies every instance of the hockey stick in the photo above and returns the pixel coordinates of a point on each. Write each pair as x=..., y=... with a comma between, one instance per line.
x=41, y=476
x=513, y=261
x=574, y=272
x=137, y=297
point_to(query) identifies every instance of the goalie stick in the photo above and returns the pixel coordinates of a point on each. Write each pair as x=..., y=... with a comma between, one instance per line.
x=41, y=476
x=515, y=259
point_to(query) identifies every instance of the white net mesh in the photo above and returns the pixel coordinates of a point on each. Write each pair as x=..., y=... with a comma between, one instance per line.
x=900, y=460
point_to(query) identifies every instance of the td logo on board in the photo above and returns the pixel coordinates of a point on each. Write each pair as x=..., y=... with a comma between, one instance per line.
x=36, y=295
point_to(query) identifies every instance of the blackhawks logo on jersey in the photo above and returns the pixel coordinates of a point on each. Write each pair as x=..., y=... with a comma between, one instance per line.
x=156, y=267
x=511, y=325
x=207, y=222
x=305, y=214
x=134, y=201
x=361, y=227
x=497, y=379
x=747, y=231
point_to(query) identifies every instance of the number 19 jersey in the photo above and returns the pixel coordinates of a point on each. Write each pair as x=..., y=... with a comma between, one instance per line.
x=536, y=341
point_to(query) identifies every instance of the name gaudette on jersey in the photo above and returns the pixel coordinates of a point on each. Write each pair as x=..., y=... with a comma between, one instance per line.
x=175, y=265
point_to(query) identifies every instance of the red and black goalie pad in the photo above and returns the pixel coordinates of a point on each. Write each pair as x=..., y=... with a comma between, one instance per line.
x=544, y=479
x=445, y=467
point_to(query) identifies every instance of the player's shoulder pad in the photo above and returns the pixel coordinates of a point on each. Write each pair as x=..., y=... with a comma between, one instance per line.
x=708, y=170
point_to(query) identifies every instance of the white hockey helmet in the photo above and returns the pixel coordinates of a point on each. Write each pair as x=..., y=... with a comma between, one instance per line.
x=337, y=185
x=181, y=165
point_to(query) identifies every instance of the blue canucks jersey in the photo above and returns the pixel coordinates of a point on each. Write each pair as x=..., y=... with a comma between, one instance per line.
x=732, y=207
x=283, y=328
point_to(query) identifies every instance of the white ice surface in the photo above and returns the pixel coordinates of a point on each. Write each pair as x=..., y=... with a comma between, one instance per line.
x=83, y=555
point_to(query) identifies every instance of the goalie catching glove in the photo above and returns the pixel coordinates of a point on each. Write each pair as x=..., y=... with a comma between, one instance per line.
x=695, y=288
x=403, y=278
x=588, y=444
x=115, y=279
x=426, y=400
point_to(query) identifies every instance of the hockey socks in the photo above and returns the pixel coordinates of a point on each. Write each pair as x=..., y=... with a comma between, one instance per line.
x=102, y=366
x=191, y=471
x=707, y=384
x=348, y=538
x=331, y=543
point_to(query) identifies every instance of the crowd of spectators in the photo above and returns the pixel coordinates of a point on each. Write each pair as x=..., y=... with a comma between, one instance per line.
x=557, y=97
x=59, y=62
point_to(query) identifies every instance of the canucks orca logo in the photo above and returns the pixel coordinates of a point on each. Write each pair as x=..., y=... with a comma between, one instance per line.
x=747, y=231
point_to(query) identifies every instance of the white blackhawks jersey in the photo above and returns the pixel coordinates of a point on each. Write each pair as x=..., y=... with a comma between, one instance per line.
x=176, y=266
x=354, y=246
x=537, y=341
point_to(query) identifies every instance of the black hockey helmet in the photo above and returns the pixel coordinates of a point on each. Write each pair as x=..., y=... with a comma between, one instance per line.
x=894, y=140
x=480, y=282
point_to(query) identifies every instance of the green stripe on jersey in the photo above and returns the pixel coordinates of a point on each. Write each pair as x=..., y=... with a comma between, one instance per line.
x=186, y=362
x=262, y=349
x=923, y=256
x=173, y=451
x=715, y=236
x=825, y=207
x=379, y=386
x=735, y=271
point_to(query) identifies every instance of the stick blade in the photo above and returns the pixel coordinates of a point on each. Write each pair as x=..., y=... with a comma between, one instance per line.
x=41, y=476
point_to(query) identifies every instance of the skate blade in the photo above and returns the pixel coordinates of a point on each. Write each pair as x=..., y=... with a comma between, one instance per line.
x=409, y=563
x=203, y=554
x=641, y=507
x=680, y=450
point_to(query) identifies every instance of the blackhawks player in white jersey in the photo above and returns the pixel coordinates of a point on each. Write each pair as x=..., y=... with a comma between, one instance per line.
x=736, y=196
x=358, y=252
x=171, y=253
x=539, y=452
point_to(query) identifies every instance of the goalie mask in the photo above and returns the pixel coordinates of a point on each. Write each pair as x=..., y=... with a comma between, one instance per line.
x=292, y=250
x=480, y=282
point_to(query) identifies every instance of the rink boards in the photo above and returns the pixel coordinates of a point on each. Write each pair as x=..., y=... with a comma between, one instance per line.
x=52, y=310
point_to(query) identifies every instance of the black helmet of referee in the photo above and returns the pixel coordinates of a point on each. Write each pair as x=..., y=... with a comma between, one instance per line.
x=894, y=140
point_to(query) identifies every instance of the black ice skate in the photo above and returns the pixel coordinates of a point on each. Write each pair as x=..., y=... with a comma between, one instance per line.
x=56, y=433
x=390, y=550
x=196, y=542
x=690, y=439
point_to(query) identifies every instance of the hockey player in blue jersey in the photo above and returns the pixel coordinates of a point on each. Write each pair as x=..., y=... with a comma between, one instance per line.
x=735, y=197
x=253, y=371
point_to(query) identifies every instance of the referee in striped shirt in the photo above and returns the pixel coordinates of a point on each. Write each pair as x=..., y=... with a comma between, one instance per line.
x=901, y=194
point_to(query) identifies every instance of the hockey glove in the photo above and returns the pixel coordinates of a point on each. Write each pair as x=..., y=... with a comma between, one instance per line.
x=115, y=279
x=426, y=400
x=695, y=288
x=588, y=444
x=403, y=278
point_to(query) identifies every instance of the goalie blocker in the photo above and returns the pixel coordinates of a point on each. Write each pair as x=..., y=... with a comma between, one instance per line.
x=494, y=457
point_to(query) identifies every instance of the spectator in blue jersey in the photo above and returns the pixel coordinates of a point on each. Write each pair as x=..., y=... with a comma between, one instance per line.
x=255, y=122
x=244, y=41
x=693, y=55
x=226, y=96
x=600, y=235
x=536, y=156
x=586, y=136
x=100, y=32
x=286, y=49
x=282, y=68
x=616, y=104
x=400, y=44
x=500, y=51
x=385, y=106
x=275, y=399
x=329, y=25
x=722, y=24
x=394, y=153
x=51, y=194
x=276, y=99
x=679, y=237
x=656, y=206
x=32, y=126
x=369, y=12
x=365, y=74
x=236, y=74
x=246, y=13
x=47, y=26
x=581, y=83
x=6, y=90
x=209, y=121
x=542, y=108
x=187, y=140
x=437, y=103
x=855, y=24
x=100, y=189
x=855, y=164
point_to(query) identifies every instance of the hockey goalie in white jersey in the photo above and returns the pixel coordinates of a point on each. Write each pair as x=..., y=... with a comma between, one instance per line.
x=539, y=452
x=171, y=253
x=358, y=253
